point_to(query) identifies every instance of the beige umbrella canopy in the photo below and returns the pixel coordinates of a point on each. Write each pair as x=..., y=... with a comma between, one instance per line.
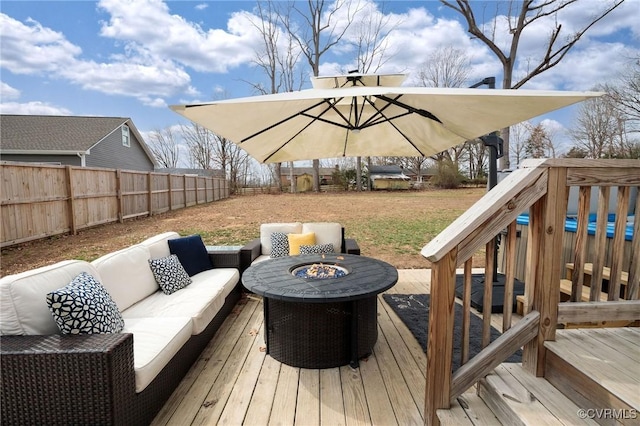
x=343, y=118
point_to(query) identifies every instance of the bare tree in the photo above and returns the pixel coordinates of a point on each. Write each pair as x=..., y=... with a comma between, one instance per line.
x=278, y=59
x=371, y=44
x=598, y=129
x=539, y=144
x=445, y=67
x=520, y=15
x=315, y=32
x=201, y=143
x=165, y=147
x=517, y=141
x=626, y=93
x=371, y=40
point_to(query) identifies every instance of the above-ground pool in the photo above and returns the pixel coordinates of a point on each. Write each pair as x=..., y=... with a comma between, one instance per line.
x=571, y=224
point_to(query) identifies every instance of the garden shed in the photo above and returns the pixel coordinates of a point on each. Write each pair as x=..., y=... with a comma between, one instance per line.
x=388, y=177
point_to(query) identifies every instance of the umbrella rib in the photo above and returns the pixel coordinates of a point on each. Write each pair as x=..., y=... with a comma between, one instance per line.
x=409, y=108
x=403, y=135
x=303, y=112
x=313, y=119
x=378, y=117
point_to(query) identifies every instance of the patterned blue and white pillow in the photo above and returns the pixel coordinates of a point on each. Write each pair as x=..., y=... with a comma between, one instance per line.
x=317, y=249
x=84, y=307
x=169, y=273
x=279, y=244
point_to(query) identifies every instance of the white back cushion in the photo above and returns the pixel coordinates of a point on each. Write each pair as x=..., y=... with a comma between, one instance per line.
x=326, y=233
x=23, y=305
x=266, y=229
x=158, y=246
x=126, y=275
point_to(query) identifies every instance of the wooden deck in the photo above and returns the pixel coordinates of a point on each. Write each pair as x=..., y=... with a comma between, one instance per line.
x=235, y=383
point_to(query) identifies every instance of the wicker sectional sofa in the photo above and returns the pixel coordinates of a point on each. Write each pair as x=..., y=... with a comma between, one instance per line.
x=119, y=378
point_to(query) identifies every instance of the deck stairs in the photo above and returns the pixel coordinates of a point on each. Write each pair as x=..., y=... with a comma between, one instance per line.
x=591, y=373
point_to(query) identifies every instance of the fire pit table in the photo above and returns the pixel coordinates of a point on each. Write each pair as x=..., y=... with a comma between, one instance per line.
x=320, y=311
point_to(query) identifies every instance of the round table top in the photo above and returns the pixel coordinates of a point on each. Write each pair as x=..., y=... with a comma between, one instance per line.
x=273, y=279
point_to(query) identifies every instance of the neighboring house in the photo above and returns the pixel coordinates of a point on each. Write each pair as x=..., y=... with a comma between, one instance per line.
x=425, y=174
x=111, y=142
x=388, y=177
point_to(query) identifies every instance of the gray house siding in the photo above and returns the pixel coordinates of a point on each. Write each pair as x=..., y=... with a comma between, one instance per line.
x=65, y=160
x=112, y=154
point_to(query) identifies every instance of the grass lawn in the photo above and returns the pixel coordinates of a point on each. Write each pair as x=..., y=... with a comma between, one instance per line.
x=392, y=226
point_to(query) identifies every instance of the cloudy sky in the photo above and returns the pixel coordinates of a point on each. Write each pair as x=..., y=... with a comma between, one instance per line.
x=129, y=58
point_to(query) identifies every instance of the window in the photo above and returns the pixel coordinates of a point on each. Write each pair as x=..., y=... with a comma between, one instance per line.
x=125, y=135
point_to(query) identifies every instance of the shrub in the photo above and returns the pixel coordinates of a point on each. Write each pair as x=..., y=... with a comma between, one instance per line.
x=448, y=176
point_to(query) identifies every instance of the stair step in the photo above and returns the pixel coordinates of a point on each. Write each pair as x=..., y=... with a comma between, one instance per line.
x=468, y=409
x=519, y=398
x=597, y=369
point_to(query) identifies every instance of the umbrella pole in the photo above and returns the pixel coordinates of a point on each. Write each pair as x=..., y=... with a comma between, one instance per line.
x=495, y=145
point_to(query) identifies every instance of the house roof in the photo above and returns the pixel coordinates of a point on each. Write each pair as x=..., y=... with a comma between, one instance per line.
x=60, y=134
x=383, y=170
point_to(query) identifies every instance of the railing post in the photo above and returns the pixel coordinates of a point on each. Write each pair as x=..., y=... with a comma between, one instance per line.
x=440, y=340
x=547, y=232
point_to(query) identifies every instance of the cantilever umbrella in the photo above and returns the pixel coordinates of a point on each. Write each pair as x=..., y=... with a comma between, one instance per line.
x=358, y=115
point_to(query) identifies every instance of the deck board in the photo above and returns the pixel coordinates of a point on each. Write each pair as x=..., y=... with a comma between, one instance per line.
x=235, y=382
x=609, y=368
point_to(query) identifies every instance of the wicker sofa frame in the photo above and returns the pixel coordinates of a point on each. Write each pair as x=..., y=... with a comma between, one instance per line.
x=253, y=249
x=89, y=379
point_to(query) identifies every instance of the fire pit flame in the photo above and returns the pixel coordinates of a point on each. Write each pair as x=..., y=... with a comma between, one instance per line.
x=319, y=271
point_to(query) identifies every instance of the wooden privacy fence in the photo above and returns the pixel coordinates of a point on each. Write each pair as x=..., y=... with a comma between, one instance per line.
x=39, y=201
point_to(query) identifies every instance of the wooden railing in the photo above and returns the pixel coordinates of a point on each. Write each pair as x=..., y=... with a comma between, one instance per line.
x=542, y=187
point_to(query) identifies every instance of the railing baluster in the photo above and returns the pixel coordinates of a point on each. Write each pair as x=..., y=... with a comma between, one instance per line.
x=600, y=243
x=617, y=251
x=487, y=301
x=634, y=268
x=577, y=277
x=510, y=276
x=466, y=312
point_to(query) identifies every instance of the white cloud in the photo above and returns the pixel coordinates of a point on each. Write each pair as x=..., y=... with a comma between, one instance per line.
x=32, y=108
x=7, y=92
x=29, y=48
x=171, y=36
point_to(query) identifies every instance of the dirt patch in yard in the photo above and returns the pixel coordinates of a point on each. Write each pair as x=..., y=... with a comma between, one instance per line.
x=392, y=226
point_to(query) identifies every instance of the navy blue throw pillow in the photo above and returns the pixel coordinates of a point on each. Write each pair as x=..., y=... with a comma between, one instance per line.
x=192, y=254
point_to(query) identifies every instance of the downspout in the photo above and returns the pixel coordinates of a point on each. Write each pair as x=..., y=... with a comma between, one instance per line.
x=83, y=158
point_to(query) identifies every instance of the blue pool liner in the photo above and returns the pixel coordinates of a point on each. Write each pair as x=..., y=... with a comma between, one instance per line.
x=571, y=225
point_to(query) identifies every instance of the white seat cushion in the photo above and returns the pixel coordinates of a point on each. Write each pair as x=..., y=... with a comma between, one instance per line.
x=23, y=306
x=266, y=229
x=158, y=246
x=155, y=342
x=126, y=275
x=326, y=233
x=201, y=300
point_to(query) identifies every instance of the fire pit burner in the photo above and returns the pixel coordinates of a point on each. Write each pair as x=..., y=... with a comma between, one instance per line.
x=319, y=271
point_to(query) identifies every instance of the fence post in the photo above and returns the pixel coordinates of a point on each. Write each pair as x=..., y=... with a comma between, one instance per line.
x=169, y=184
x=150, y=195
x=184, y=190
x=72, y=206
